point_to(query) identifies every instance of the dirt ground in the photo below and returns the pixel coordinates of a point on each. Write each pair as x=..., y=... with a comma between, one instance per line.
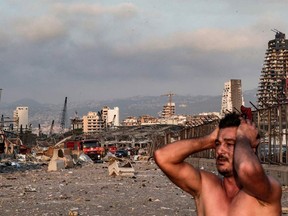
x=89, y=190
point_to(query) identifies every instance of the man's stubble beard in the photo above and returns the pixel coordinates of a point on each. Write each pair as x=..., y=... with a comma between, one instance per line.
x=224, y=172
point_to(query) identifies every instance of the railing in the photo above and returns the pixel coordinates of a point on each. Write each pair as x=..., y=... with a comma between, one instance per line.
x=272, y=124
x=273, y=128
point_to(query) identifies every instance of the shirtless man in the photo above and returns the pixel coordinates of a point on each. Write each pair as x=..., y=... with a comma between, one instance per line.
x=244, y=189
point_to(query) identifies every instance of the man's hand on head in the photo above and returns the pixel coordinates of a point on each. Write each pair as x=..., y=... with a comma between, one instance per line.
x=248, y=129
x=214, y=135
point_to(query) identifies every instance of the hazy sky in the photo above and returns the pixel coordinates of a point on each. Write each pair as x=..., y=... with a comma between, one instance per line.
x=116, y=49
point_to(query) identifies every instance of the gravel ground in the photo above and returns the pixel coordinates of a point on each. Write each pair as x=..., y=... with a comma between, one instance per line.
x=89, y=190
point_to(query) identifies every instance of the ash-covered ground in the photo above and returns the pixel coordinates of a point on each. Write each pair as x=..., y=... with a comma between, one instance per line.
x=89, y=190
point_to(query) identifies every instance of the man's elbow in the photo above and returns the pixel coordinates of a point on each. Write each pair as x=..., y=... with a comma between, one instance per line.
x=158, y=157
x=161, y=158
x=250, y=171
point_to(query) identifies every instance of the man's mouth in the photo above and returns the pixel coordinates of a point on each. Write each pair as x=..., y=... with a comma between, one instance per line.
x=221, y=159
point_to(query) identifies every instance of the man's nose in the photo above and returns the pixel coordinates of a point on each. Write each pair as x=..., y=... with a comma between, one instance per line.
x=220, y=149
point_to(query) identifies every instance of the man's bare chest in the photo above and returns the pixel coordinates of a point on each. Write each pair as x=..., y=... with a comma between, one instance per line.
x=219, y=204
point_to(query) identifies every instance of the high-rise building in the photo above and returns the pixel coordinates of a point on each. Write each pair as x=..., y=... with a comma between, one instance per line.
x=110, y=116
x=168, y=110
x=20, y=116
x=273, y=83
x=92, y=122
x=232, y=97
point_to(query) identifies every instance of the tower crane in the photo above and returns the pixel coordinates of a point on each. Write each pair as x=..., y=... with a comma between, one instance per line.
x=63, y=116
x=39, y=130
x=51, y=128
x=169, y=109
x=170, y=97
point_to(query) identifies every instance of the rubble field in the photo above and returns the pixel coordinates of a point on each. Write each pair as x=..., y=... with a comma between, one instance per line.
x=87, y=189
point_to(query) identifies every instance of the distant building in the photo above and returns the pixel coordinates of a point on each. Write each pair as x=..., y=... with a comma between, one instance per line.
x=110, y=116
x=173, y=120
x=147, y=120
x=168, y=110
x=232, y=97
x=76, y=123
x=92, y=122
x=273, y=83
x=20, y=117
x=130, y=121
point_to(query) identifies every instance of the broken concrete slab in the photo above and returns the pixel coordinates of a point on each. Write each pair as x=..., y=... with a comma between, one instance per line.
x=56, y=165
x=120, y=168
x=61, y=159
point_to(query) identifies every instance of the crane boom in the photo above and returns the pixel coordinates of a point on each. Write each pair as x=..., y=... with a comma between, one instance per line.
x=51, y=128
x=63, y=115
x=170, y=97
x=169, y=109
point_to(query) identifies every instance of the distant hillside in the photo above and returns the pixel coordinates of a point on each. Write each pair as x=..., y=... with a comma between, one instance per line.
x=134, y=106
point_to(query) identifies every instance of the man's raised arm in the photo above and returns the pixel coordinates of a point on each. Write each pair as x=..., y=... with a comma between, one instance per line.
x=250, y=173
x=170, y=159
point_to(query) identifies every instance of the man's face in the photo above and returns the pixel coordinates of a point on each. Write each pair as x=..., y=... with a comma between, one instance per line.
x=224, y=147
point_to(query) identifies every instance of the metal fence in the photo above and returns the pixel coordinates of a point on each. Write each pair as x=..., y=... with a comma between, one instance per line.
x=272, y=124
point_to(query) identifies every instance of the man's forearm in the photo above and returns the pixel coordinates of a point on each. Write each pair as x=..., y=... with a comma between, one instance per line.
x=177, y=152
x=250, y=173
x=246, y=162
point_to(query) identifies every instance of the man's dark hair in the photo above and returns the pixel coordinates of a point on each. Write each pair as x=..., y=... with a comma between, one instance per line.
x=230, y=120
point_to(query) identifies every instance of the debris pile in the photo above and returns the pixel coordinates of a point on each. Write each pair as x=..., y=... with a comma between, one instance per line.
x=57, y=158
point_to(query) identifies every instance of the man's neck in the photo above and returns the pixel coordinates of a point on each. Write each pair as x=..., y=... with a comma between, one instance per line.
x=230, y=186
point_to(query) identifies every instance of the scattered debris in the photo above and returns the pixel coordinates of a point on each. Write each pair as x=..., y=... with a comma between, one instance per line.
x=142, y=158
x=85, y=158
x=61, y=159
x=29, y=188
x=73, y=212
x=120, y=167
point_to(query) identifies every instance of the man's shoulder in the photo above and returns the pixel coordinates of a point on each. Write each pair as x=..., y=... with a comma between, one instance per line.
x=210, y=177
x=209, y=173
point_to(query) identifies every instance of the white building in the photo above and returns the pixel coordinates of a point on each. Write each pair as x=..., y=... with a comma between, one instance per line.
x=20, y=116
x=110, y=116
x=232, y=97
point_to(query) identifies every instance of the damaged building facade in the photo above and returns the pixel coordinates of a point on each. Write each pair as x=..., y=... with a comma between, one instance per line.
x=232, y=97
x=96, y=121
x=273, y=84
x=271, y=115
